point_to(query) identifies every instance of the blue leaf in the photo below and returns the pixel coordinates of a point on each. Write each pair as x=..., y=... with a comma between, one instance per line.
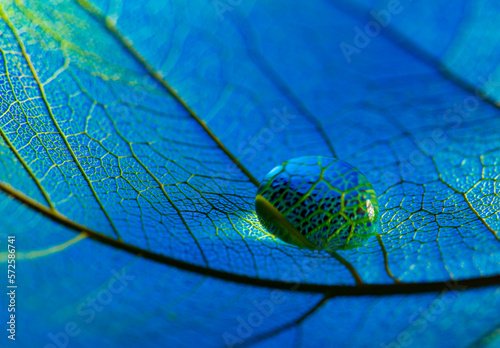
x=131, y=159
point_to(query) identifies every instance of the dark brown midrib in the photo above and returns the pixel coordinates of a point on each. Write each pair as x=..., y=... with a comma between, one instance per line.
x=329, y=290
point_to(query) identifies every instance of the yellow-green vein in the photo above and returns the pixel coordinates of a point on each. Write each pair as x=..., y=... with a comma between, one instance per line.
x=99, y=17
x=52, y=117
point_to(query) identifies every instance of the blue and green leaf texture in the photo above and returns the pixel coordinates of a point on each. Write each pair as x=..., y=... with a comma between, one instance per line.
x=134, y=136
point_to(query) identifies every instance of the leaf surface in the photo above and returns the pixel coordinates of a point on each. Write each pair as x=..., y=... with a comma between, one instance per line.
x=151, y=135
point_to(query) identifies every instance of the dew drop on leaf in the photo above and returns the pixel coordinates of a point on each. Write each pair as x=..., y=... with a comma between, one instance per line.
x=318, y=202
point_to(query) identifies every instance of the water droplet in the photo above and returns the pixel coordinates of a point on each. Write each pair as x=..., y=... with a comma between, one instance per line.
x=318, y=202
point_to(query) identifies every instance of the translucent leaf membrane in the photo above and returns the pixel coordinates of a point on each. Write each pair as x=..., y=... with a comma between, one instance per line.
x=91, y=131
x=165, y=187
x=374, y=92
x=465, y=23
x=184, y=199
x=157, y=302
x=430, y=320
